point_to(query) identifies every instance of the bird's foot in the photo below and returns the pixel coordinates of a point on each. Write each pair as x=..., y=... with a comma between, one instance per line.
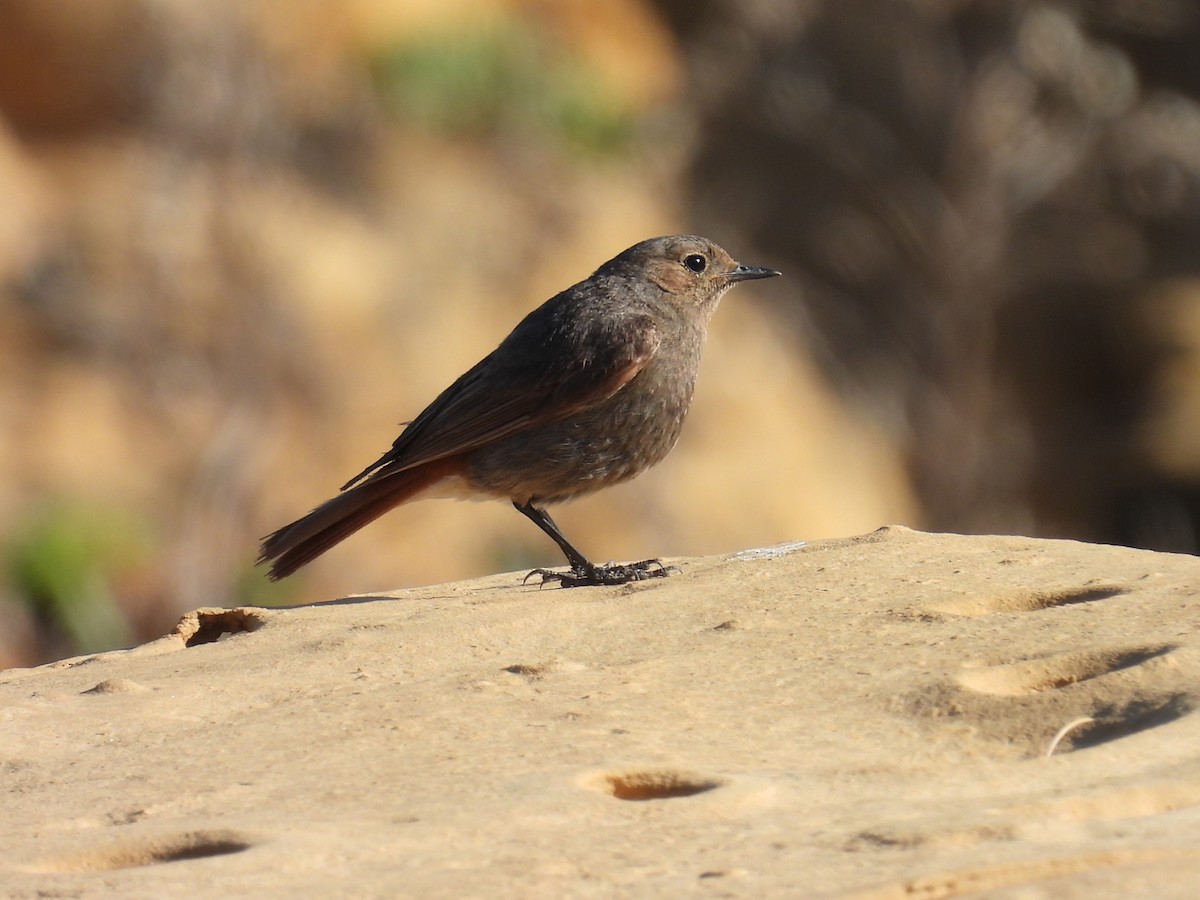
x=590, y=575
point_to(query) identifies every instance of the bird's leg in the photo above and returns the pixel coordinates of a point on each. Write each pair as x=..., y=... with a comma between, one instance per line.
x=542, y=520
x=584, y=572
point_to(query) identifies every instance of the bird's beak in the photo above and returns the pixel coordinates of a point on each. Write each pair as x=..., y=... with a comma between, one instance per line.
x=749, y=273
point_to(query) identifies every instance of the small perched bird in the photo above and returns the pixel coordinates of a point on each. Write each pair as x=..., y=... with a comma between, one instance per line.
x=589, y=390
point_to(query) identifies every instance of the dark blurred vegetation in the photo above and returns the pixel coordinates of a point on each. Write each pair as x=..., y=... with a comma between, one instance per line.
x=994, y=207
x=241, y=241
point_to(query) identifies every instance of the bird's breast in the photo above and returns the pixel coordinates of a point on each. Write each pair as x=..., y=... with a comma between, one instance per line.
x=607, y=443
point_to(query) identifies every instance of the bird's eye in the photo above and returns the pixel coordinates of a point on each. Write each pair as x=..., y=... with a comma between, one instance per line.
x=696, y=263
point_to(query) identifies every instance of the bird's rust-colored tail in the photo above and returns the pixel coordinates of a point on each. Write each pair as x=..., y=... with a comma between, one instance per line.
x=299, y=543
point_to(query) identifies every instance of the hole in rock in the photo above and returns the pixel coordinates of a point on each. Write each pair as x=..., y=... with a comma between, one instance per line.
x=207, y=626
x=1139, y=715
x=201, y=849
x=659, y=784
x=1071, y=596
x=191, y=845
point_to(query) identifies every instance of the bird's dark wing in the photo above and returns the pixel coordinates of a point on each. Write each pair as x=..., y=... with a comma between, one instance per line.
x=538, y=375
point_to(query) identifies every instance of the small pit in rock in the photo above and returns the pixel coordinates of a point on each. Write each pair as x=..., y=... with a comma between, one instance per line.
x=207, y=626
x=1110, y=724
x=655, y=784
x=135, y=854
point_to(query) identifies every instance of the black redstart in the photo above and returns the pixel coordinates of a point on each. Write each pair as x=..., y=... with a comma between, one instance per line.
x=589, y=390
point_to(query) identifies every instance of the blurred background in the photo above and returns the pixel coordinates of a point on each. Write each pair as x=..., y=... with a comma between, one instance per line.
x=241, y=242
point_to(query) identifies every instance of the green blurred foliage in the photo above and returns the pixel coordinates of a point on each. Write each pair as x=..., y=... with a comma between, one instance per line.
x=499, y=77
x=251, y=588
x=68, y=563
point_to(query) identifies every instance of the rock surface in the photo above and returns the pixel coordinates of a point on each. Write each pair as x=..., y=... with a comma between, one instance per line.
x=865, y=717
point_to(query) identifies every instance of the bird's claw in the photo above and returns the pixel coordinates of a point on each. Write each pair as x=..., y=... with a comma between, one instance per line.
x=591, y=575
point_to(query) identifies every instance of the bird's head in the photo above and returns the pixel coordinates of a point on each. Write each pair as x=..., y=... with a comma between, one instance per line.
x=688, y=268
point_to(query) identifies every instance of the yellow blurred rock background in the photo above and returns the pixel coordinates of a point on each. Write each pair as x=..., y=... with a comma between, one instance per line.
x=241, y=242
x=230, y=270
